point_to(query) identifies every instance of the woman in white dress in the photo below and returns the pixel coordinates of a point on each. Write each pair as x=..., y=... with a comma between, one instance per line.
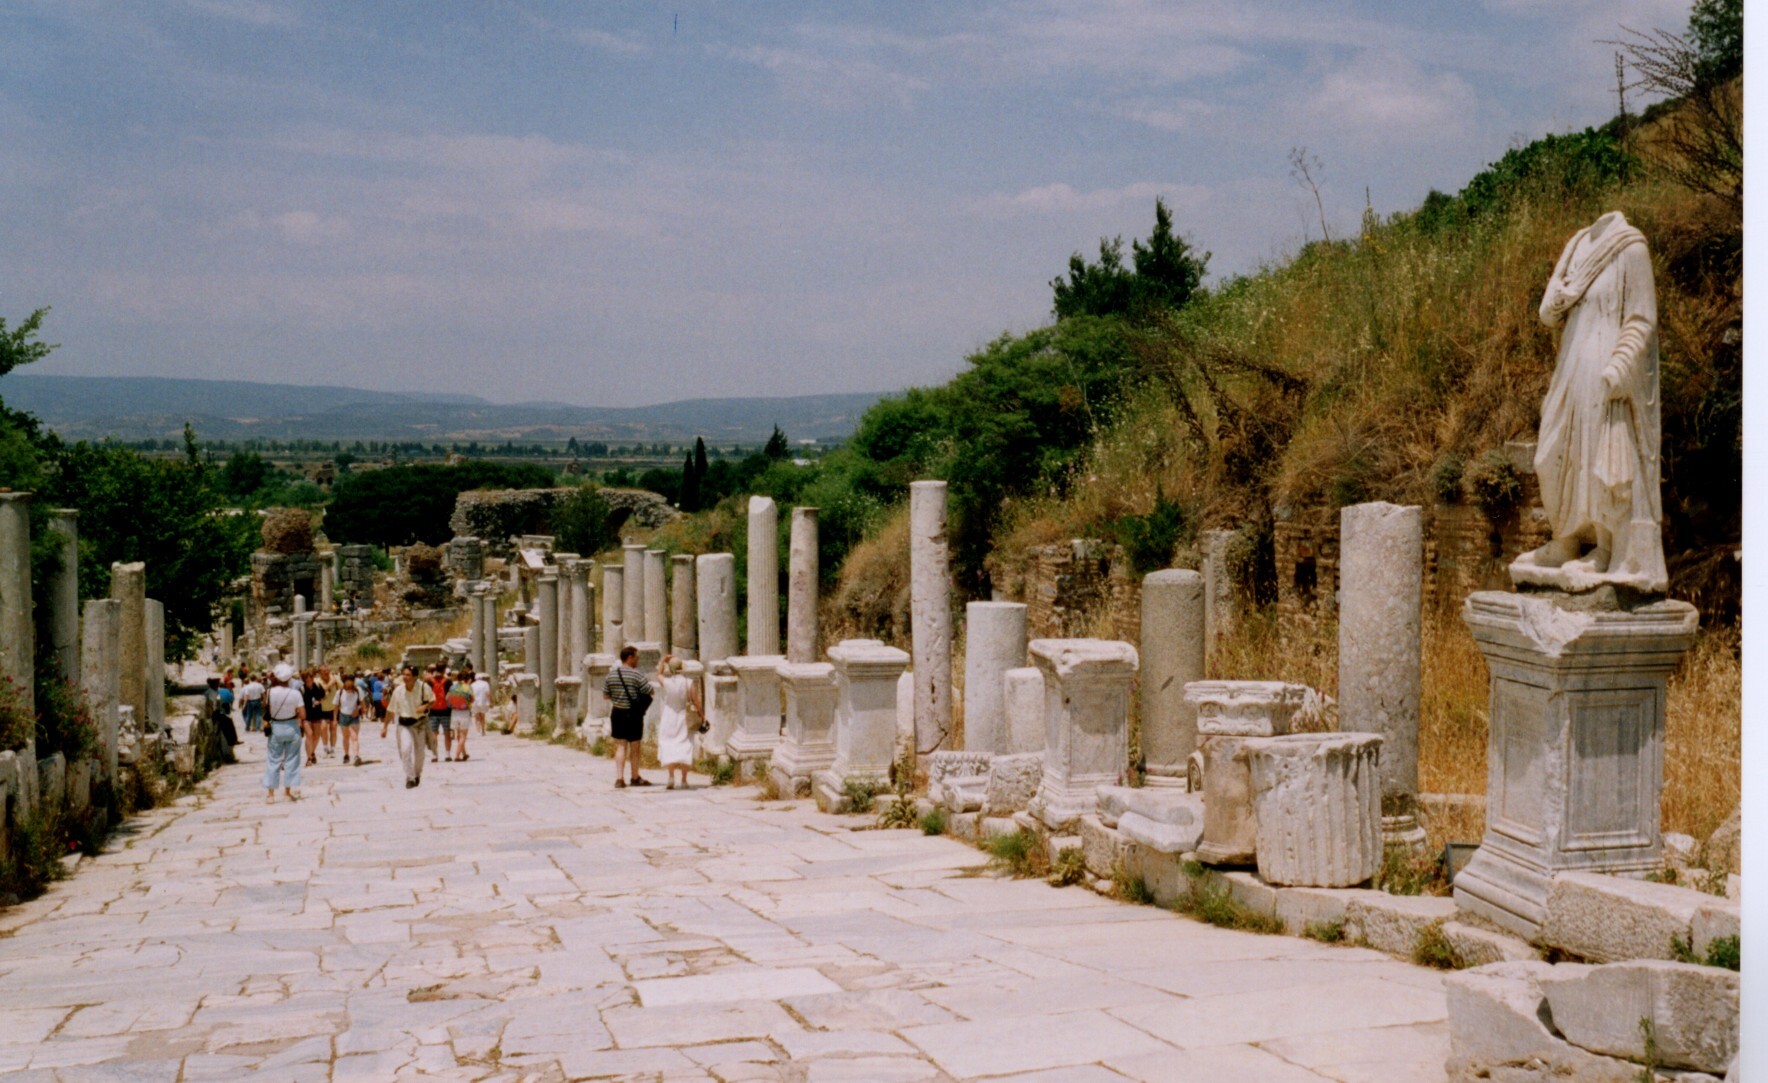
x=675, y=741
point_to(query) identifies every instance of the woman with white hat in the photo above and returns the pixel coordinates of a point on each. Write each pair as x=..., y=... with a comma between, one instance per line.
x=284, y=713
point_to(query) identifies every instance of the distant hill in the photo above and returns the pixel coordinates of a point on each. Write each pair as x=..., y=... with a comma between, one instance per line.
x=147, y=407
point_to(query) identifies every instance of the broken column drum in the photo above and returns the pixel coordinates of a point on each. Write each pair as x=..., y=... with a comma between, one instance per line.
x=994, y=643
x=1575, y=753
x=657, y=598
x=715, y=583
x=801, y=587
x=1173, y=642
x=632, y=611
x=867, y=675
x=684, y=633
x=759, y=712
x=1317, y=804
x=808, y=744
x=1086, y=725
x=597, y=707
x=1381, y=576
x=930, y=615
x=1229, y=712
x=764, y=577
x=567, y=704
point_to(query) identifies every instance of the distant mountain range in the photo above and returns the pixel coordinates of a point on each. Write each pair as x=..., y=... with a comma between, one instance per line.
x=151, y=407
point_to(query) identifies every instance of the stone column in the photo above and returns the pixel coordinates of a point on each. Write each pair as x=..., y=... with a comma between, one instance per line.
x=1087, y=725
x=224, y=636
x=724, y=707
x=18, y=629
x=758, y=693
x=1221, y=598
x=764, y=577
x=476, y=630
x=808, y=745
x=1173, y=636
x=325, y=584
x=632, y=611
x=100, y=675
x=684, y=633
x=1317, y=803
x=567, y=566
x=1381, y=577
x=613, y=609
x=567, y=704
x=1022, y=707
x=994, y=643
x=316, y=629
x=866, y=677
x=597, y=707
x=300, y=603
x=488, y=661
x=64, y=593
x=1229, y=712
x=531, y=650
x=1576, y=743
x=154, y=640
x=657, y=598
x=129, y=588
x=715, y=581
x=546, y=605
x=930, y=615
x=801, y=587
x=301, y=631
x=527, y=702
x=582, y=621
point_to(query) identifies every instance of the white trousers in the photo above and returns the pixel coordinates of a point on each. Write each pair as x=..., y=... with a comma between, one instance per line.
x=413, y=747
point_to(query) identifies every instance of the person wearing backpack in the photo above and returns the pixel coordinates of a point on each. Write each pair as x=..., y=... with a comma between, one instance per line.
x=630, y=693
x=460, y=711
x=285, y=715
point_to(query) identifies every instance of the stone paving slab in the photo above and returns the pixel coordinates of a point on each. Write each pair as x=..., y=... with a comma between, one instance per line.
x=515, y=918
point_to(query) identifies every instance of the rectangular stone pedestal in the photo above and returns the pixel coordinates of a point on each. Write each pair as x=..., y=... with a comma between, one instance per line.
x=1575, y=758
x=1086, y=725
x=758, y=696
x=808, y=745
x=868, y=676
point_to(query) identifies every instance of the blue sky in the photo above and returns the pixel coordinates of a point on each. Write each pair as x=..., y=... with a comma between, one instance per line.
x=621, y=203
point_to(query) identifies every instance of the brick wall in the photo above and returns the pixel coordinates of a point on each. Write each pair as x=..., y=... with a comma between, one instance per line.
x=1082, y=588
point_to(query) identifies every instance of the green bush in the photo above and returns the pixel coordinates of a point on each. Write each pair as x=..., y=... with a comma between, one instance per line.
x=64, y=723
x=1432, y=948
x=1023, y=854
x=1150, y=540
x=18, y=725
x=1493, y=484
x=862, y=794
x=1070, y=867
x=933, y=821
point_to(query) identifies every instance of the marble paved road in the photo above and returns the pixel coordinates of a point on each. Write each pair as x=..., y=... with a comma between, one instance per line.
x=516, y=918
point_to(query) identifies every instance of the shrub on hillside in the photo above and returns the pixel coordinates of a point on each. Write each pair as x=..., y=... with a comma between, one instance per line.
x=287, y=530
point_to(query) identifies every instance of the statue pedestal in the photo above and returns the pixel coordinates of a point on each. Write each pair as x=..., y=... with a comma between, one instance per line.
x=1575, y=758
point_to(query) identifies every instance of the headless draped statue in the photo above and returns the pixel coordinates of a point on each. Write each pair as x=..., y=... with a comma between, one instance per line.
x=1597, y=457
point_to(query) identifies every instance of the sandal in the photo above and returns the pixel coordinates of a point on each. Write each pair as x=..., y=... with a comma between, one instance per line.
x=641, y=782
x=619, y=784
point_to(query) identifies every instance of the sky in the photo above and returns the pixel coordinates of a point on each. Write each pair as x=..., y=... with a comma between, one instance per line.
x=624, y=203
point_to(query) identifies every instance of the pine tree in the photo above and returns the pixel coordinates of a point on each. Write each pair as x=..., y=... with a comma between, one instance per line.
x=776, y=447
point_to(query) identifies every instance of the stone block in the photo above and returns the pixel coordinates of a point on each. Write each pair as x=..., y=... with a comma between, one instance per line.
x=1158, y=804
x=1477, y=946
x=1300, y=907
x=994, y=827
x=964, y=825
x=1102, y=845
x=1162, y=874
x=1022, y=707
x=958, y=780
x=1250, y=891
x=1012, y=781
x=1227, y=713
x=1499, y=1031
x=1724, y=848
x=1087, y=685
x=1161, y=836
x=1693, y=1010
x=1392, y=923
x=1714, y=920
x=1607, y=919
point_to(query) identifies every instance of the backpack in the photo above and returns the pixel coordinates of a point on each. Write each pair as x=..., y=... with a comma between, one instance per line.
x=641, y=699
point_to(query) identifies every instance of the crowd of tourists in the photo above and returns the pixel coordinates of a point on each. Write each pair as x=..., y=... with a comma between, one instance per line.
x=317, y=714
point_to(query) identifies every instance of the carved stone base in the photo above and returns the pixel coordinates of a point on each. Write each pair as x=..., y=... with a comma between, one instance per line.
x=1576, y=745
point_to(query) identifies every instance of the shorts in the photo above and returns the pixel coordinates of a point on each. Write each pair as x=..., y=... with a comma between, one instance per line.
x=320, y=714
x=626, y=724
x=347, y=719
x=439, y=723
x=461, y=720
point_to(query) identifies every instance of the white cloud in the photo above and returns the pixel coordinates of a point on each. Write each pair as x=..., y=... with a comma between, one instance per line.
x=311, y=227
x=1062, y=198
x=608, y=43
x=832, y=82
x=1170, y=115
x=1389, y=98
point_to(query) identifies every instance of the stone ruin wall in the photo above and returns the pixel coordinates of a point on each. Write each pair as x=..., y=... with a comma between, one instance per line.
x=1082, y=588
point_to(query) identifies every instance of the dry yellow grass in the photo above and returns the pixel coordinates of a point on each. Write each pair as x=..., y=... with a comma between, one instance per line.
x=1703, y=727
